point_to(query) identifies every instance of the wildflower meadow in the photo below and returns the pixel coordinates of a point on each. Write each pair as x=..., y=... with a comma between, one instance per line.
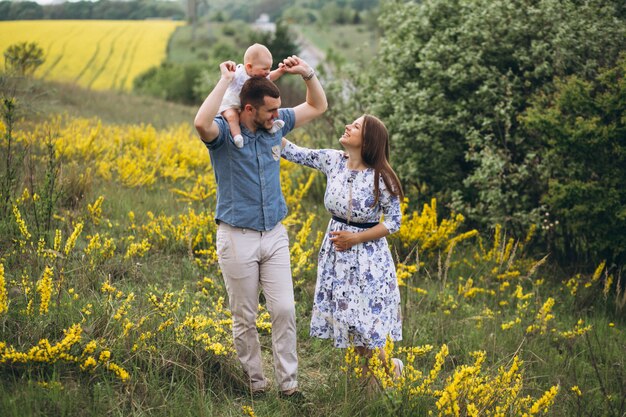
x=112, y=303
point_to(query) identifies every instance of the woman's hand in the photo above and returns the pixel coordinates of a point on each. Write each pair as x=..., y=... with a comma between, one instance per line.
x=344, y=240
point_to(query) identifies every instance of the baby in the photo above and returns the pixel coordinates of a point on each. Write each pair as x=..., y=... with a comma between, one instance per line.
x=257, y=62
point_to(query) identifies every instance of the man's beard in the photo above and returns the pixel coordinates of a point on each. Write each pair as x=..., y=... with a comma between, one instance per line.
x=260, y=124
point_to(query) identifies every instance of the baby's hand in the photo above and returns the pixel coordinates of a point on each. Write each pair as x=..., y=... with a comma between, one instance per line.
x=227, y=69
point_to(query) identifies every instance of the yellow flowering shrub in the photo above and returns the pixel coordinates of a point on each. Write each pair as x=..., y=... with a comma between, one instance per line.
x=4, y=299
x=425, y=231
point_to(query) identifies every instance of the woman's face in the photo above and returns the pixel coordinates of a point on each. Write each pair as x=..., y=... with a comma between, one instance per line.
x=353, y=135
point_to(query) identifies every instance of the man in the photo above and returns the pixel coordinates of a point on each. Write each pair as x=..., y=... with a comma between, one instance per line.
x=252, y=244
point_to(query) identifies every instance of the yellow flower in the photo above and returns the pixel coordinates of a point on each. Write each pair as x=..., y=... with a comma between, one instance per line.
x=543, y=317
x=104, y=357
x=424, y=229
x=95, y=210
x=578, y=330
x=118, y=370
x=598, y=271
x=607, y=286
x=90, y=348
x=4, y=299
x=71, y=241
x=137, y=249
x=57, y=240
x=44, y=288
x=545, y=402
x=21, y=225
x=89, y=363
x=247, y=410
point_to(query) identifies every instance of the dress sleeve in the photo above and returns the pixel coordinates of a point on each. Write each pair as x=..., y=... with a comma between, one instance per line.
x=320, y=159
x=390, y=205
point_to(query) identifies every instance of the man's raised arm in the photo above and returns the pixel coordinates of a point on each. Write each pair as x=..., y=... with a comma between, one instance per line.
x=204, y=123
x=316, y=102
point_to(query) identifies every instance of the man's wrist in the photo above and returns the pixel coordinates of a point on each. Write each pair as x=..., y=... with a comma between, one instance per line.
x=309, y=75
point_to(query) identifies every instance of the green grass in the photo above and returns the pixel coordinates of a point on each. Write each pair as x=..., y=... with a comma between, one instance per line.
x=188, y=45
x=39, y=100
x=350, y=42
x=184, y=48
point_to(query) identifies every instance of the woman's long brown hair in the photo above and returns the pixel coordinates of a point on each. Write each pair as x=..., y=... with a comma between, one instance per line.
x=375, y=154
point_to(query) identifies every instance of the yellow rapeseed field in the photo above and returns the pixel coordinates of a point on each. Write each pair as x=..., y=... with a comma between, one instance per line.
x=97, y=54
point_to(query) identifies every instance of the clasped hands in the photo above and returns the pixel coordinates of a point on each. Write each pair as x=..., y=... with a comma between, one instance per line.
x=290, y=65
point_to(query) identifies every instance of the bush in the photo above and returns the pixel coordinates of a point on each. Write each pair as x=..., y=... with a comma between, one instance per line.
x=452, y=79
x=583, y=125
x=23, y=58
x=169, y=81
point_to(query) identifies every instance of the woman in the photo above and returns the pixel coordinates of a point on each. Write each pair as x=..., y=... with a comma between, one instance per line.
x=357, y=301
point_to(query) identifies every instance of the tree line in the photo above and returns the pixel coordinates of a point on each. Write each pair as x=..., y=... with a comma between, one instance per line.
x=102, y=9
x=297, y=11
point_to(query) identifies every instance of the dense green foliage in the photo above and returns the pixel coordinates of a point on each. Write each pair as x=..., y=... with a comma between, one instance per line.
x=583, y=166
x=170, y=81
x=102, y=9
x=453, y=78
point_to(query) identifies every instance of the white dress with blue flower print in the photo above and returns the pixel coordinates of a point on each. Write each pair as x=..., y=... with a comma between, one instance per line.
x=357, y=300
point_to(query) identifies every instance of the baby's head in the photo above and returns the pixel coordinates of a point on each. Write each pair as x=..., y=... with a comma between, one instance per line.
x=258, y=61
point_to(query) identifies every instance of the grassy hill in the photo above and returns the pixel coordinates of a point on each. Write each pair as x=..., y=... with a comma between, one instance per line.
x=42, y=99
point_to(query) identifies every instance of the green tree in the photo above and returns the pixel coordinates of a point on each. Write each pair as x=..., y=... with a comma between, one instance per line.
x=23, y=58
x=26, y=10
x=171, y=81
x=454, y=76
x=5, y=10
x=281, y=42
x=583, y=127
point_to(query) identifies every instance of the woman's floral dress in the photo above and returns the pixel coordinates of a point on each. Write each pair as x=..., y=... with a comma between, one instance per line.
x=357, y=300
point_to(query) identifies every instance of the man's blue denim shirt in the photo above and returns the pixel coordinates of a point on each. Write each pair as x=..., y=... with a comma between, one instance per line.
x=248, y=178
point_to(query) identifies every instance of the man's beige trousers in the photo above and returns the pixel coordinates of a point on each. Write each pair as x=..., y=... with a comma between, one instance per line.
x=249, y=258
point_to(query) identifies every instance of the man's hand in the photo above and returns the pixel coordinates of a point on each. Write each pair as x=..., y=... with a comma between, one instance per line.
x=295, y=65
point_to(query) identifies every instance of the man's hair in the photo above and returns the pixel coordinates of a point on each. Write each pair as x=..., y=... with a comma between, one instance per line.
x=255, y=90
